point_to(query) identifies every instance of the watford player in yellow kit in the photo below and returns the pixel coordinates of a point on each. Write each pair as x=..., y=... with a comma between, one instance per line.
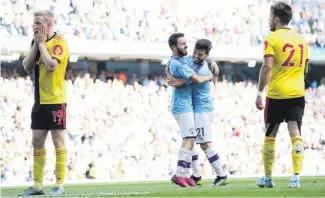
x=47, y=61
x=284, y=68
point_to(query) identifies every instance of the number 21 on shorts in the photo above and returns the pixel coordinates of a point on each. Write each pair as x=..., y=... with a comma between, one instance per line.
x=200, y=132
x=291, y=48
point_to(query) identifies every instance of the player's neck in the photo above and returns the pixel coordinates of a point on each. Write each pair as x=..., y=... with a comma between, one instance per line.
x=177, y=55
x=50, y=34
x=279, y=27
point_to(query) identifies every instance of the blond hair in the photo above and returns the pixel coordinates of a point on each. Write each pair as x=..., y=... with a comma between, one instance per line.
x=47, y=15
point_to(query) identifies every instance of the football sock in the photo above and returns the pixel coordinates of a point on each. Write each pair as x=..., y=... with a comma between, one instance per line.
x=297, y=154
x=38, y=167
x=214, y=160
x=60, y=165
x=195, y=163
x=183, y=163
x=268, y=155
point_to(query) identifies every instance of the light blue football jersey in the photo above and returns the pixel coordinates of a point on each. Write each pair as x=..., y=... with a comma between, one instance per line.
x=201, y=97
x=182, y=97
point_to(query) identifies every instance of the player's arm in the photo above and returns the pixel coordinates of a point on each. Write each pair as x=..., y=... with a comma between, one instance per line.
x=213, y=66
x=306, y=68
x=188, y=75
x=53, y=58
x=178, y=83
x=265, y=70
x=200, y=79
x=171, y=80
x=29, y=61
x=50, y=63
x=307, y=61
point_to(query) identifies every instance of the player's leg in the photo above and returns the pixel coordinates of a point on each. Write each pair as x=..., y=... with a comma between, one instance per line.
x=214, y=160
x=268, y=153
x=39, y=135
x=57, y=125
x=195, y=165
x=203, y=124
x=186, y=124
x=273, y=116
x=294, y=121
x=58, y=137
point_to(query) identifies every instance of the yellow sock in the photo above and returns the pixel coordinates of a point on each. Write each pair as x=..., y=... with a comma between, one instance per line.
x=38, y=167
x=268, y=155
x=297, y=153
x=60, y=165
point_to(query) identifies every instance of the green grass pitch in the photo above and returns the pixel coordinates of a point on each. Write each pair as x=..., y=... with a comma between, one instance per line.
x=310, y=187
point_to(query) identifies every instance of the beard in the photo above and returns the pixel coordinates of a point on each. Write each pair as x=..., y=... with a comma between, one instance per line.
x=181, y=52
x=272, y=27
x=198, y=61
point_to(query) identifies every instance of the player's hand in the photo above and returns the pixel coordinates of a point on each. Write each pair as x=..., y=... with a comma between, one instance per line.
x=171, y=80
x=211, y=76
x=259, y=103
x=35, y=30
x=41, y=34
x=214, y=68
x=167, y=69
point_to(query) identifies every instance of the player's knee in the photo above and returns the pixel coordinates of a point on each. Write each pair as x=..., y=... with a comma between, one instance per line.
x=294, y=128
x=58, y=142
x=205, y=146
x=58, y=139
x=272, y=130
x=188, y=143
x=38, y=142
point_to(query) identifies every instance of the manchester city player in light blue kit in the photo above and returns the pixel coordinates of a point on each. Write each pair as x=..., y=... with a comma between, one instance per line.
x=203, y=110
x=182, y=107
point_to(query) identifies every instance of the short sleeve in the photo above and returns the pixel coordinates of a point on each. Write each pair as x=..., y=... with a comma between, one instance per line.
x=268, y=49
x=181, y=71
x=185, y=72
x=60, y=50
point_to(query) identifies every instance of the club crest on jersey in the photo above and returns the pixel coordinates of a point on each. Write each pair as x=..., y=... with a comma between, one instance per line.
x=192, y=131
x=58, y=50
x=188, y=68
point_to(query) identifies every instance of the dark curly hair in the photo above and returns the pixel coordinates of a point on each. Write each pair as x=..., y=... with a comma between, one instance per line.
x=283, y=11
x=172, y=41
x=203, y=44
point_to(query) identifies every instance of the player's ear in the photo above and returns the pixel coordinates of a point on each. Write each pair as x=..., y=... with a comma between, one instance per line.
x=277, y=20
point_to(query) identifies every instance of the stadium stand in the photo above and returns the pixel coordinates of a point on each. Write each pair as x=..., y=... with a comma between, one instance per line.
x=122, y=132
x=230, y=23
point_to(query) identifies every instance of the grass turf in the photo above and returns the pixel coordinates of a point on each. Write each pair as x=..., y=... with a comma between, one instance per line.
x=310, y=187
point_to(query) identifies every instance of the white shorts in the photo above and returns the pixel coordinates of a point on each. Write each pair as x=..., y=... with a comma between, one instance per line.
x=185, y=122
x=203, y=125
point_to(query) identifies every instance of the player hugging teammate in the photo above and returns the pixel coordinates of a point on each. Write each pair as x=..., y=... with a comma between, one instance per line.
x=192, y=108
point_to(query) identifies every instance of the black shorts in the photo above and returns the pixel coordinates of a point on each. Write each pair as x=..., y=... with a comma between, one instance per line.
x=279, y=110
x=49, y=116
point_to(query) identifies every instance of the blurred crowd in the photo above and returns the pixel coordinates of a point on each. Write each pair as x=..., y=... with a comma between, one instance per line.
x=119, y=131
x=230, y=22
